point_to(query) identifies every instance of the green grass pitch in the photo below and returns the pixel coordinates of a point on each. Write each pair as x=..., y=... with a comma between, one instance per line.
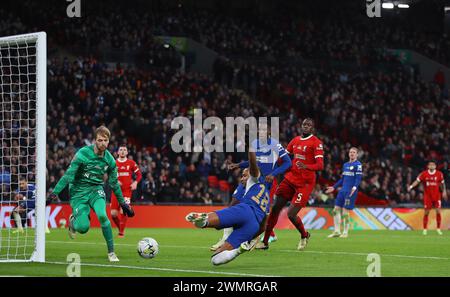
x=185, y=252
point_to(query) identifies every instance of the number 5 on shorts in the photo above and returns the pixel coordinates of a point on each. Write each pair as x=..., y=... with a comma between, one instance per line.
x=299, y=198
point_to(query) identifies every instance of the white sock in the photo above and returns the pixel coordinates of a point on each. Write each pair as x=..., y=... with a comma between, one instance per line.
x=18, y=220
x=224, y=257
x=337, y=222
x=226, y=233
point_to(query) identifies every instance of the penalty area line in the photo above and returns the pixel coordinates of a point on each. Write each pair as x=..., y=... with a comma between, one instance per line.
x=164, y=269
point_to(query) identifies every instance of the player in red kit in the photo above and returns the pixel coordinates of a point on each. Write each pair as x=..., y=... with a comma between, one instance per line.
x=433, y=184
x=298, y=183
x=125, y=169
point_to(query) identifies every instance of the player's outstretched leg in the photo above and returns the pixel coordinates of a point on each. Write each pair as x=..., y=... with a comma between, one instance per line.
x=199, y=219
x=225, y=254
x=226, y=233
x=337, y=222
x=99, y=207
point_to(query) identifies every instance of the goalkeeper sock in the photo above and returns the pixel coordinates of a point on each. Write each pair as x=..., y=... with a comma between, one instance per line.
x=108, y=235
x=337, y=222
x=224, y=257
x=99, y=207
x=425, y=222
x=18, y=220
x=226, y=233
x=122, y=224
x=438, y=220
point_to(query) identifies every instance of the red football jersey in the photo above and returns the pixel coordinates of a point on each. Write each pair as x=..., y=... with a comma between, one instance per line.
x=431, y=183
x=125, y=170
x=305, y=150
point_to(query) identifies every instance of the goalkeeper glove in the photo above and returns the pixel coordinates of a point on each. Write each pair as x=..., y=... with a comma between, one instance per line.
x=127, y=209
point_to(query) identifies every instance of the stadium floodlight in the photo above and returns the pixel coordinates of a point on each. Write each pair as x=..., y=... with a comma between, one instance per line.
x=388, y=5
x=402, y=5
x=23, y=108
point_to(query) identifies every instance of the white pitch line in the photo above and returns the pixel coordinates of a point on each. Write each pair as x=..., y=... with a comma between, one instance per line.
x=365, y=254
x=166, y=269
x=285, y=251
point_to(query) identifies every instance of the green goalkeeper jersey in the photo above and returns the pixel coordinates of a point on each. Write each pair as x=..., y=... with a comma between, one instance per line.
x=87, y=170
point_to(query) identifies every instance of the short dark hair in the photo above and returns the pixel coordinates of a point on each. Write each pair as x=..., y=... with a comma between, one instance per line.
x=308, y=119
x=123, y=145
x=432, y=161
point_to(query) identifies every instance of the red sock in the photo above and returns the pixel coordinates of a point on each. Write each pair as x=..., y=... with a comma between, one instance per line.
x=271, y=222
x=123, y=222
x=438, y=220
x=272, y=233
x=425, y=221
x=116, y=221
x=299, y=225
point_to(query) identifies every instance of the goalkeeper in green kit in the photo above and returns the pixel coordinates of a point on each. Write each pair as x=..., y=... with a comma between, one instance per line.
x=85, y=179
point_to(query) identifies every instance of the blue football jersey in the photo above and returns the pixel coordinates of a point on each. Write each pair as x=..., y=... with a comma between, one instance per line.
x=256, y=194
x=239, y=192
x=351, y=175
x=267, y=155
x=29, y=196
x=29, y=193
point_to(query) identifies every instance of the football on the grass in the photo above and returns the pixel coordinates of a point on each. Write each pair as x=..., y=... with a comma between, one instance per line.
x=147, y=248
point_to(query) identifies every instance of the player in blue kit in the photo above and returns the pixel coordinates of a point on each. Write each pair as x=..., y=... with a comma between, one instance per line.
x=268, y=152
x=248, y=217
x=26, y=200
x=345, y=200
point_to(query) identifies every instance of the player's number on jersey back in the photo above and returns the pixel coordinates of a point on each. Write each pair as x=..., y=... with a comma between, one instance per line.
x=264, y=201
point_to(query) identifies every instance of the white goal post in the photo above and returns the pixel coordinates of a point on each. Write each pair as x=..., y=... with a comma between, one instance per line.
x=23, y=112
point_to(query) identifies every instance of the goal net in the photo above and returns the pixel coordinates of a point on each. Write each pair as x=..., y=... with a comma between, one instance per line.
x=23, y=64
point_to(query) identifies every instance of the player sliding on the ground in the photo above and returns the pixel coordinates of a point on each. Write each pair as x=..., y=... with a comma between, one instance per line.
x=85, y=179
x=433, y=184
x=345, y=200
x=247, y=217
x=125, y=168
x=298, y=183
x=268, y=152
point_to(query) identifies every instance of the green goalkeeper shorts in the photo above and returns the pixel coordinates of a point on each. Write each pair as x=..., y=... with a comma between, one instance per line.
x=82, y=200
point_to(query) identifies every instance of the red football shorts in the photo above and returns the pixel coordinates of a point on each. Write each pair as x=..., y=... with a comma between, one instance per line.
x=298, y=194
x=429, y=203
x=115, y=203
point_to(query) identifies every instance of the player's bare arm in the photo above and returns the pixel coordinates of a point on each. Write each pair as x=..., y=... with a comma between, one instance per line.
x=253, y=166
x=413, y=185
